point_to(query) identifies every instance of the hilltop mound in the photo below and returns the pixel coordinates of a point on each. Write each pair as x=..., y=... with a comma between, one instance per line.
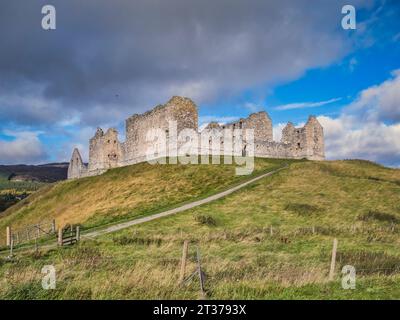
x=125, y=192
x=269, y=240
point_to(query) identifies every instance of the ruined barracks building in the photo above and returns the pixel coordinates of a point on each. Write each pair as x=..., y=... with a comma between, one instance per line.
x=106, y=151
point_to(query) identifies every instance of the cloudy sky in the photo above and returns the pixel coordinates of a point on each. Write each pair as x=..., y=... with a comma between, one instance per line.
x=108, y=59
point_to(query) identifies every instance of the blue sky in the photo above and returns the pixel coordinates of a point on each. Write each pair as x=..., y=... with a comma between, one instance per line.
x=260, y=55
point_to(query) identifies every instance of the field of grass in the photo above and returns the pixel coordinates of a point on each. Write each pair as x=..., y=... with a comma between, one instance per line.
x=307, y=205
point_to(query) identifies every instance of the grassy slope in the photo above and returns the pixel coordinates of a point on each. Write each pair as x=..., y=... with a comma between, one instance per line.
x=124, y=193
x=357, y=202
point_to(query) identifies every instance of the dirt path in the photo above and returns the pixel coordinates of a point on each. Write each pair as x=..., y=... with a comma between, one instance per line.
x=185, y=207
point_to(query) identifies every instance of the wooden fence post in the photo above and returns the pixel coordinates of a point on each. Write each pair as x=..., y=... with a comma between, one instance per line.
x=183, y=262
x=53, y=226
x=36, y=246
x=8, y=234
x=200, y=272
x=60, y=236
x=77, y=234
x=271, y=231
x=11, y=247
x=333, y=260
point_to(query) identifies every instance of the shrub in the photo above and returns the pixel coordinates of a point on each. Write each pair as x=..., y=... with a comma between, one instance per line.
x=205, y=219
x=302, y=208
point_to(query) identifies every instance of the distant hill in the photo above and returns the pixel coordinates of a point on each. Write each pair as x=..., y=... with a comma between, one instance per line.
x=50, y=172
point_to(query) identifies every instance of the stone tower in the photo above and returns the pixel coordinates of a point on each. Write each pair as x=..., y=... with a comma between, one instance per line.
x=314, y=139
x=306, y=142
x=105, y=150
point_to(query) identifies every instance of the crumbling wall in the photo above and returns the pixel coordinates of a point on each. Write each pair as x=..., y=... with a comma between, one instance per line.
x=260, y=122
x=76, y=168
x=181, y=110
x=105, y=150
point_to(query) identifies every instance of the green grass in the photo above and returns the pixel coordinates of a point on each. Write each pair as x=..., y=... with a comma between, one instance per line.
x=307, y=206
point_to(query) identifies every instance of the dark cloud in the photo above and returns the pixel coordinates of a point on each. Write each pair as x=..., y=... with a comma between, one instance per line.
x=108, y=59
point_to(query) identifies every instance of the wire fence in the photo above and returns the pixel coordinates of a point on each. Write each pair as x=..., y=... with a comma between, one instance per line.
x=33, y=232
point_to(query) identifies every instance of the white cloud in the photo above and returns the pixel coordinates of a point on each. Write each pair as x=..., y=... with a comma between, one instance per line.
x=380, y=102
x=345, y=138
x=361, y=132
x=24, y=148
x=303, y=105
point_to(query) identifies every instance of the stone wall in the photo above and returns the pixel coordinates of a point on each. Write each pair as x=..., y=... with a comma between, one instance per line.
x=106, y=151
x=181, y=110
x=77, y=168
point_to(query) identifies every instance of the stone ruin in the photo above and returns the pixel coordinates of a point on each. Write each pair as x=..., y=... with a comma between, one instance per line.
x=106, y=151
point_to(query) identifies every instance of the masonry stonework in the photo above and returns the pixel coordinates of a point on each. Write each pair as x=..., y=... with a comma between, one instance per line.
x=106, y=151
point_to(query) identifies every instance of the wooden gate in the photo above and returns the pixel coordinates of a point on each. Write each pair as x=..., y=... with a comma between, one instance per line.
x=68, y=235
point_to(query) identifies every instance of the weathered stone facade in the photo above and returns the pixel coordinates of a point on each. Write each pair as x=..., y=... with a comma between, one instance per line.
x=106, y=151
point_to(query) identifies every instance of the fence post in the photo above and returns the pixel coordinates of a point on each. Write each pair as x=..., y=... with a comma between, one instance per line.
x=60, y=236
x=183, y=262
x=200, y=272
x=11, y=247
x=53, y=226
x=77, y=234
x=271, y=231
x=333, y=260
x=313, y=229
x=8, y=234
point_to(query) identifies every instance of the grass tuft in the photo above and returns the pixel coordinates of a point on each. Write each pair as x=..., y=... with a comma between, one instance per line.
x=302, y=209
x=205, y=219
x=378, y=216
x=369, y=263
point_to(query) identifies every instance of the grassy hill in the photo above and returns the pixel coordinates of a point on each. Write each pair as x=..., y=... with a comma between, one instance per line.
x=125, y=193
x=307, y=205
